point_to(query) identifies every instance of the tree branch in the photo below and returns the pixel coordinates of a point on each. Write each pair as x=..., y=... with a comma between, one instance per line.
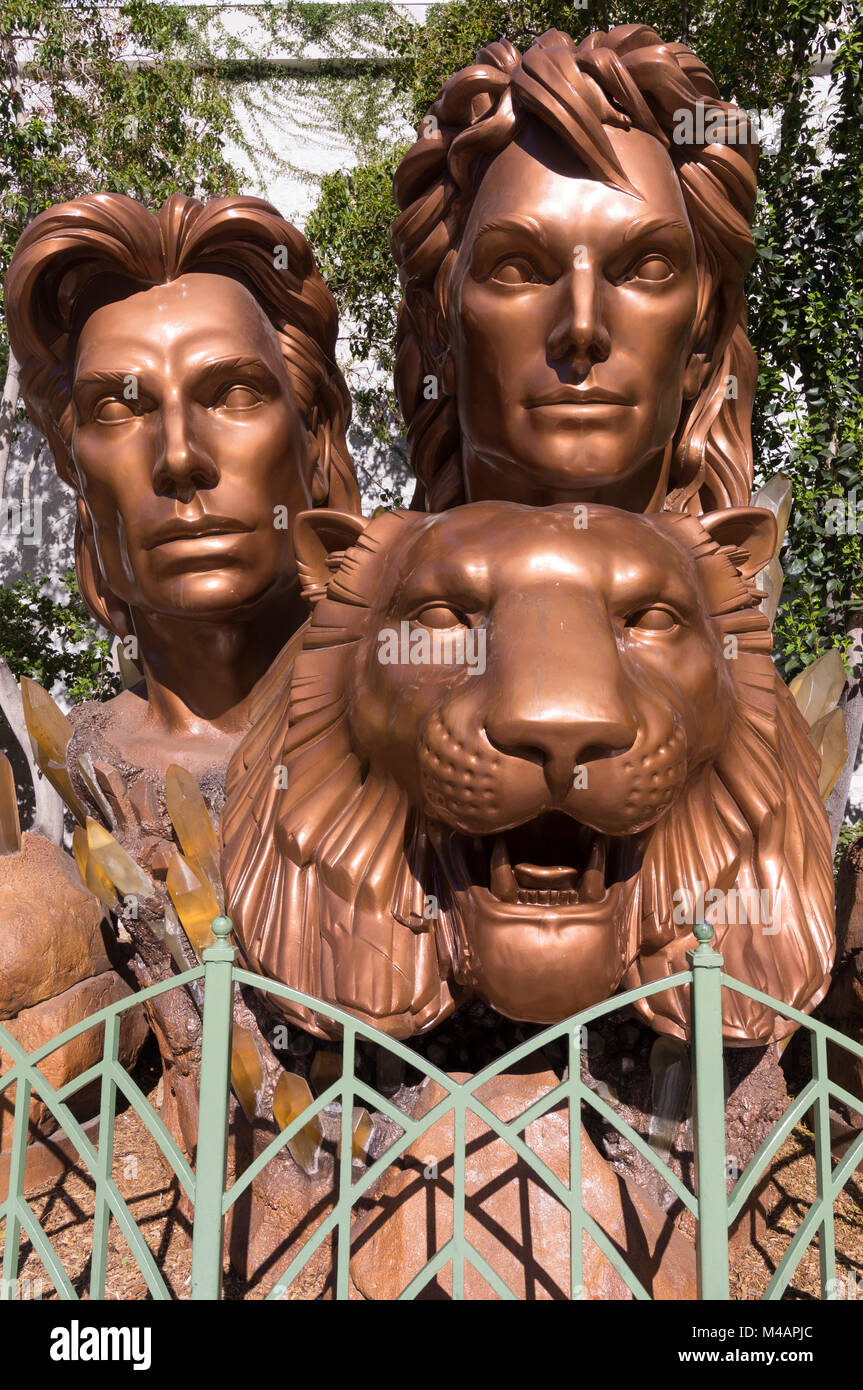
x=8, y=410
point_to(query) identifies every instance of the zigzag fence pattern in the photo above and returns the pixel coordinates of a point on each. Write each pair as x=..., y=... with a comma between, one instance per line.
x=712, y=1207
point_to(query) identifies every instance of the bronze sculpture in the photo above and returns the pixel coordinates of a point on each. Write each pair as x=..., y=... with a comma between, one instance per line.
x=514, y=740
x=573, y=330
x=521, y=743
x=573, y=324
x=181, y=366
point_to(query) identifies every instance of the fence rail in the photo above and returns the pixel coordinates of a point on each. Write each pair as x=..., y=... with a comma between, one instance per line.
x=713, y=1208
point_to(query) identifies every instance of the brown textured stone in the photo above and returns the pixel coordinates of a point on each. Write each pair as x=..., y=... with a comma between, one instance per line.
x=50, y=926
x=52, y=1016
x=512, y=1218
x=275, y=1217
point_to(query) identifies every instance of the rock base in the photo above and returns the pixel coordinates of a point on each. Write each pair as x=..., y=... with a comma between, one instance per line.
x=513, y=1218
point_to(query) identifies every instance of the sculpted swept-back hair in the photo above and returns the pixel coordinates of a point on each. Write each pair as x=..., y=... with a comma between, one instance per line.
x=626, y=78
x=72, y=258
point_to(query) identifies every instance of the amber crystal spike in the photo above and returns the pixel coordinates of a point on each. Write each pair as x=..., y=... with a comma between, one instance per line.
x=10, y=825
x=50, y=732
x=291, y=1097
x=113, y=860
x=247, y=1074
x=325, y=1069
x=94, y=877
x=363, y=1130
x=194, y=901
x=194, y=827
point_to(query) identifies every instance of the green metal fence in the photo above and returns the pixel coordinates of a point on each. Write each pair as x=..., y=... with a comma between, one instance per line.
x=713, y=1209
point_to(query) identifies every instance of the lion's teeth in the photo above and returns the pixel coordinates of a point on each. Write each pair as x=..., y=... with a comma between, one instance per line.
x=503, y=884
x=547, y=897
x=591, y=889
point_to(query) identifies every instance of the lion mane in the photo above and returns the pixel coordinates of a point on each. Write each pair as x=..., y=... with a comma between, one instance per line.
x=325, y=875
x=757, y=824
x=328, y=868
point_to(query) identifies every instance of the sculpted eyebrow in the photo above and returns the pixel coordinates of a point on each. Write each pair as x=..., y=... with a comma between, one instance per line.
x=517, y=224
x=88, y=386
x=221, y=367
x=648, y=226
x=97, y=378
x=464, y=585
x=238, y=364
x=650, y=582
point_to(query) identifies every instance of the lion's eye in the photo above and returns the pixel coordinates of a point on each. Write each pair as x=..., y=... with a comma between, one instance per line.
x=440, y=615
x=653, y=620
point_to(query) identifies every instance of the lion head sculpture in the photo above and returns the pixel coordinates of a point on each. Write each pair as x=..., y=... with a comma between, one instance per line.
x=513, y=754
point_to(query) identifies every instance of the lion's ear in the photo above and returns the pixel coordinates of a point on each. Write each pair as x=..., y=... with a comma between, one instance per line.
x=321, y=537
x=752, y=532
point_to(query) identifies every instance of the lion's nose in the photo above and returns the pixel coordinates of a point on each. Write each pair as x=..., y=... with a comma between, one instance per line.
x=563, y=739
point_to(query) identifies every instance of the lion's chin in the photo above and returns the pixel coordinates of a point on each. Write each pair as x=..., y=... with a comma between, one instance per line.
x=541, y=941
x=540, y=964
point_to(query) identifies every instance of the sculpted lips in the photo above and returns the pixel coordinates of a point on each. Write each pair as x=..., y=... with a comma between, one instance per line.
x=568, y=395
x=196, y=528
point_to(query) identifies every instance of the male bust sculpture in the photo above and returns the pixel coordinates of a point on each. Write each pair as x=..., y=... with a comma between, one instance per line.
x=573, y=325
x=181, y=364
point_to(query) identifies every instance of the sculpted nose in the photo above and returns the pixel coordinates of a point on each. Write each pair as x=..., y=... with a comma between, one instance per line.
x=183, y=464
x=576, y=714
x=564, y=741
x=579, y=333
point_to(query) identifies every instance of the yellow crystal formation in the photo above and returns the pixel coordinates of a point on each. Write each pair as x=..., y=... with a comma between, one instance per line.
x=194, y=900
x=50, y=732
x=818, y=686
x=817, y=689
x=325, y=1069
x=830, y=741
x=291, y=1097
x=194, y=827
x=87, y=773
x=10, y=825
x=363, y=1127
x=775, y=496
x=247, y=1074
x=95, y=878
x=113, y=860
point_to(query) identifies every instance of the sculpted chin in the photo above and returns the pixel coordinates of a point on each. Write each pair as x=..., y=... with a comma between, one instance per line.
x=509, y=744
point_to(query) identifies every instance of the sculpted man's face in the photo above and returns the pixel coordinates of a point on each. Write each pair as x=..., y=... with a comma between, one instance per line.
x=572, y=322
x=186, y=437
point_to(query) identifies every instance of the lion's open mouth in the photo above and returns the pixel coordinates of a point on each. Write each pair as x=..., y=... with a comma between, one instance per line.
x=552, y=861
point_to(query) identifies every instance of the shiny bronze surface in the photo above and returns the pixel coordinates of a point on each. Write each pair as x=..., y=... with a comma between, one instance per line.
x=573, y=324
x=181, y=365
x=514, y=747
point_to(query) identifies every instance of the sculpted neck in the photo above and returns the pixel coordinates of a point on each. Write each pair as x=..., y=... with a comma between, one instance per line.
x=200, y=677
